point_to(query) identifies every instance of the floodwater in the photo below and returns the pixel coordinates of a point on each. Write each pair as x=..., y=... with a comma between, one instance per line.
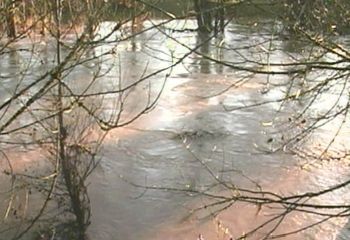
x=190, y=131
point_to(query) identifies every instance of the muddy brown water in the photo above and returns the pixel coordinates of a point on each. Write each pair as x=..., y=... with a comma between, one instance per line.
x=156, y=150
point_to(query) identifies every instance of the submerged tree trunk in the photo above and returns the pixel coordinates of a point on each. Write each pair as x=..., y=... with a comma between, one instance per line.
x=204, y=15
x=210, y=15
x=219, y=16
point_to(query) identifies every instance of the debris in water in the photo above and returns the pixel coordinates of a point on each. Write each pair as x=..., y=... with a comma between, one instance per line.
x=267, y=124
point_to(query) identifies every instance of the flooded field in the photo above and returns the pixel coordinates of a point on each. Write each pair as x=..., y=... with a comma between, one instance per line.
x=189, y=135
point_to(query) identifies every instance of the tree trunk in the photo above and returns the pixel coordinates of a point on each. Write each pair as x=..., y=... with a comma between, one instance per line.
x=204, y=15
x=10, y=19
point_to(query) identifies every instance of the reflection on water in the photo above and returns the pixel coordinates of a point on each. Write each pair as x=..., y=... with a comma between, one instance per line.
x=154, y=150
